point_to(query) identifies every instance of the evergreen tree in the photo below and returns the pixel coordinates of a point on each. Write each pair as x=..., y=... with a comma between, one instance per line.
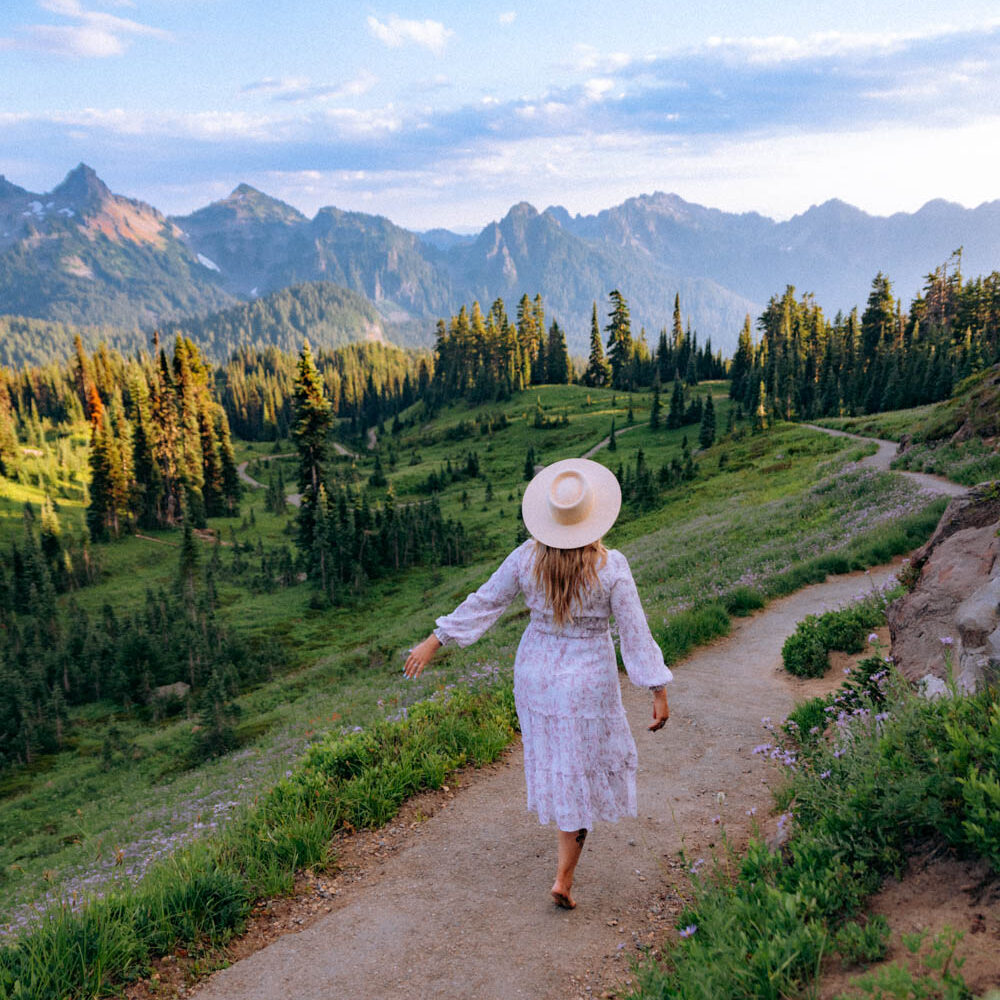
x=706, y=435
x=619, y=331
x=675, y=415
x=655, y=406
x=612, y=440
x=529, y=464
x=598, y=371
x=312, y=425
x=559, y=369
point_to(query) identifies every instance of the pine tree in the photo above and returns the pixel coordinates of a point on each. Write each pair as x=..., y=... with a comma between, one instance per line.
x=675, y=415
x=309, y=432
x=612, y=440
x=706, y=435
x=655, y=406
x=598, y=370
x=529, y=465
x=558, y=365
x=619, y=331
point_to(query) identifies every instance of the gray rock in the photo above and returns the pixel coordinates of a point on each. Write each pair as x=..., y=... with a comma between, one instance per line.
x=949, y=624
x=176, y=690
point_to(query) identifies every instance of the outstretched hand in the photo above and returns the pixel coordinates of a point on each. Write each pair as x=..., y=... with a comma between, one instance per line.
x=420, y=656
x=661, y=710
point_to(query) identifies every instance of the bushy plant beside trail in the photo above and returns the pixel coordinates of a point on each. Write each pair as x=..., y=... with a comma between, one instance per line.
x=806, y=652
x=203, y=894
x=883, y=772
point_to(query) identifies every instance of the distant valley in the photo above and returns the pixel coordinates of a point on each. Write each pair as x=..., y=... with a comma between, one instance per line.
x=83, y=255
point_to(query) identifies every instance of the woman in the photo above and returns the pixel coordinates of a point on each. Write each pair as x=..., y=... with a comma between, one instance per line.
x=579, y=755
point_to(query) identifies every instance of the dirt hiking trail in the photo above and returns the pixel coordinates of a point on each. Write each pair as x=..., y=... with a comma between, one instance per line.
x=460, y=906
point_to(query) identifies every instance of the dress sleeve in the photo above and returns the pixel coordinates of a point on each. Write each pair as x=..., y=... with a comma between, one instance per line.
x=640, y=653
x=481, y=610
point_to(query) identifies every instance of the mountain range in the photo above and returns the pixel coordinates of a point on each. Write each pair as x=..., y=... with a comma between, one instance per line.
x=82, y=254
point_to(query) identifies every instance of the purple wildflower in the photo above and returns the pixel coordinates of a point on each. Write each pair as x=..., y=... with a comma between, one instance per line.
x=946, y=640
x=873, y=637
x=689, y=930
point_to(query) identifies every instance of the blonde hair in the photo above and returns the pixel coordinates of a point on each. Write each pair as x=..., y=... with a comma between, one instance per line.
x=565, y=573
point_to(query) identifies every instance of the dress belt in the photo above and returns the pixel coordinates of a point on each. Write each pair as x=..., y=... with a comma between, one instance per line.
x=579, y=628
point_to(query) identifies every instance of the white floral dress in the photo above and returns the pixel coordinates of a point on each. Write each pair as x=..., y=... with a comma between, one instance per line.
x=579, y=755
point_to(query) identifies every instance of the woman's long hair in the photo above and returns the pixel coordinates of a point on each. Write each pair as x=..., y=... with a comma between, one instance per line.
x=565, y=574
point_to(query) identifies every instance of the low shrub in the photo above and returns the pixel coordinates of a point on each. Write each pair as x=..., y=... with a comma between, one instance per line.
x=692, y=627
x=891, y=770
x=805, y=652
x=742, y=601
x=862, y=943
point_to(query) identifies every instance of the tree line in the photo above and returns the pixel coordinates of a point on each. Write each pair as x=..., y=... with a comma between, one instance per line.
x=805, y=366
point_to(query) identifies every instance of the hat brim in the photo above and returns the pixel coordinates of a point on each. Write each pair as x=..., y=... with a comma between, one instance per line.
x=607, y=503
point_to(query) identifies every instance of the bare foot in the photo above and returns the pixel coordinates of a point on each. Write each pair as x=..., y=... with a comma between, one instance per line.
x=562, y=898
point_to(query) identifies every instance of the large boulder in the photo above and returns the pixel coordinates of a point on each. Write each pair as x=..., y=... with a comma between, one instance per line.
x=951, y=618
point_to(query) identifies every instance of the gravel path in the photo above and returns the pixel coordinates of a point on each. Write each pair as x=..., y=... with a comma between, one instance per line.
x=461, y=909
x=884, y=456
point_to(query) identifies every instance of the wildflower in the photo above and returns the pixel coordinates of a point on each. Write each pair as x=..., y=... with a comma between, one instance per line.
x=762, y=748
x=716, y=820
x=689, y=930
x=824, y=775
x=838, y=753
x=694, y=868
x=873, y=637
x=752, y=811
x=946, y=640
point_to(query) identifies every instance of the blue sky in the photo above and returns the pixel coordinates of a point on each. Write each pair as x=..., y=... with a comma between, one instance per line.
x=446, y=113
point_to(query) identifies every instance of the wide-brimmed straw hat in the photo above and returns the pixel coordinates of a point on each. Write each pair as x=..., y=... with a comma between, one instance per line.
x=571, y=503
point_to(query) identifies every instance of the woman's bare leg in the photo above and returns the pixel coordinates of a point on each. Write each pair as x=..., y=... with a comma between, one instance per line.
x=570, y=849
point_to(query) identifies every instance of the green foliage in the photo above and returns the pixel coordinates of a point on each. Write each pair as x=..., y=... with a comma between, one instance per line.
x=805, y=653
x=692, y=627
x=807, y=367
x=329, y=315
x=742, y=601
x=862, y=943
x=933, y=974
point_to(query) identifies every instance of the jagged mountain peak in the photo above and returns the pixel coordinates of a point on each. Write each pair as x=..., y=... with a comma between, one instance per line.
x=82, y=190
x=243, y=204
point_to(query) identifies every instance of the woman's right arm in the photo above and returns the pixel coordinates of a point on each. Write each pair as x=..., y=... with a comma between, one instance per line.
x=480, y=610
x=421, y=655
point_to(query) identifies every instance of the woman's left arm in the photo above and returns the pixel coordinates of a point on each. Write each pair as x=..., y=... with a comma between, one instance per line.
x=643, y=658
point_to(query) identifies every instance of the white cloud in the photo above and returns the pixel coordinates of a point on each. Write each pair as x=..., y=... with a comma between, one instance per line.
x=827, y=44
x=398, y=31
x=297, y=88
x=508, y=17
x=95, y=35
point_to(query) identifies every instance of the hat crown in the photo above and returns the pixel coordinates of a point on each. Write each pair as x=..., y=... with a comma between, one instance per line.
x=570, y=497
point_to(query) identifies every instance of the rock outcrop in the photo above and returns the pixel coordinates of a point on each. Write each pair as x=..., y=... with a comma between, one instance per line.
x=951, y=618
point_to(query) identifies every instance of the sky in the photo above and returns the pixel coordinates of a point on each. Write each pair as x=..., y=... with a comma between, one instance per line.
x=446, y=113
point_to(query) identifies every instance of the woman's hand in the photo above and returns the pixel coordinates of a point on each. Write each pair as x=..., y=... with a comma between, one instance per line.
x=661, y=710
x=420, y=656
